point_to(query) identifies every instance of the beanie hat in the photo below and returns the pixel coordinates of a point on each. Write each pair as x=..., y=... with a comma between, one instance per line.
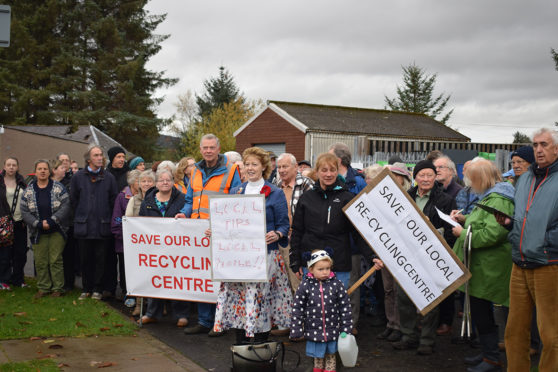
x=394, y=159
x=423, y=164
x=526, y=153
x=135, y=162
x=113, y=151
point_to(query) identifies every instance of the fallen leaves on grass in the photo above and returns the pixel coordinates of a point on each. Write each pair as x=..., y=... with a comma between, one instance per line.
x=35, y=338
x=52, y=320
x=49, y=341
x=79, y=324
x=47, y=356
x=104, y=315
x=61, y=365
x=22, y=313
x=104, y=329
x=25, y=322
x=118, y=325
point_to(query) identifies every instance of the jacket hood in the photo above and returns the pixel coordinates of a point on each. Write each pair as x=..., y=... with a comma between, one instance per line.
x=504, y=189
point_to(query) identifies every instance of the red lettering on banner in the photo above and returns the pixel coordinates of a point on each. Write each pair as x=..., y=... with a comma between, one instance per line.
x=198, y=284
x=142, y=259
x=146, y=239
x=152, y=260
x=153, y=281
x=161, y=261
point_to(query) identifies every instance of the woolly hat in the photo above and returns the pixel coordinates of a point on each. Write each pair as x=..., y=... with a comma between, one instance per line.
x=526, y=153
x=312, y=257
x=135, y=162
x=401, y=169
x=423, y=164
x=113, y=151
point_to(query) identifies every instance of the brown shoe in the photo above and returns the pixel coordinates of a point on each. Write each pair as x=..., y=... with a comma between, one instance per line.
x=182, y=322
x=40, y=294
x=146, y=320
x=137, y=309
x=443, y=330
x=57, y=294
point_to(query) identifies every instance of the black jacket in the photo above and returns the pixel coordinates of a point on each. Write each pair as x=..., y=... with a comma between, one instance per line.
x=149, y=206
x=92, y=196
x=120, y=175
x=20, y=184
x=320, y=222
x=438, y=199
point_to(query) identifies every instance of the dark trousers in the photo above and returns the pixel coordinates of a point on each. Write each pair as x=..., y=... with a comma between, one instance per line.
x=69, y=258
x=447, y=310
x=19, y=253
x=482, y=313
x=92, y=255
x=121, y=272
x=110, y=276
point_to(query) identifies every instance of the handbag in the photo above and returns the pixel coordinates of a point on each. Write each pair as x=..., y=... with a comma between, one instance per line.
x=6, y=231
x=261, y=357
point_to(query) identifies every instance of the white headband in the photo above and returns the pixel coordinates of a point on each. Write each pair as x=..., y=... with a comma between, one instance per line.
x=317, y=256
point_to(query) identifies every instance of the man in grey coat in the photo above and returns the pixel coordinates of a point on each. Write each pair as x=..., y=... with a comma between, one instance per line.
x=534, y=238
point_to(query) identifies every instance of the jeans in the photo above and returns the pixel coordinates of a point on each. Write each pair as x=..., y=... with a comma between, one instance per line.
x=206, y=314
x=530, y=288
x=180, y=309
x=48, y=262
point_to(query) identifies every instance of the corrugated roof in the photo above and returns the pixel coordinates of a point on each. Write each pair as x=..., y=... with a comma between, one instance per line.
x=354, y=120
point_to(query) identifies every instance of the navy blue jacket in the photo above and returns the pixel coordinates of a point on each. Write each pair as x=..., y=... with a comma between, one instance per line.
x=149, y=206
x=311, y=312
x=355, y=181
x=92, y=196
x=276, y=213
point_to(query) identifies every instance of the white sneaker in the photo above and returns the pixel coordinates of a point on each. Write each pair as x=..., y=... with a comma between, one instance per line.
x=96, y=296
x=83, y=296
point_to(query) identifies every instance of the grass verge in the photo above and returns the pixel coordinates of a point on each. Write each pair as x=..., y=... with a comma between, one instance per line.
x=45, y=365
x=22, y=316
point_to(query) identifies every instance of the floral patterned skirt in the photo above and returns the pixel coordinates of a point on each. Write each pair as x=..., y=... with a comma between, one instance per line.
x=256, y=307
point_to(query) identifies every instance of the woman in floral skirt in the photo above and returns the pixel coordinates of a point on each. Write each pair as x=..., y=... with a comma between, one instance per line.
x=253, y=308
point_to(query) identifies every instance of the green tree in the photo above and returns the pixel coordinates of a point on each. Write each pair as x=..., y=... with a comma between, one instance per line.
x=519, y=137
x=222, y=122
x=84, y=62
x=417, y=95
x=218, y=91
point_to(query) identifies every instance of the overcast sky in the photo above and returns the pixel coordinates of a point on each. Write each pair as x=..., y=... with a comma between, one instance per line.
x=493, y=57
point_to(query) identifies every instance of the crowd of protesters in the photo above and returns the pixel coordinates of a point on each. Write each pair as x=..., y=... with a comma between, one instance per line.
x=72, y=219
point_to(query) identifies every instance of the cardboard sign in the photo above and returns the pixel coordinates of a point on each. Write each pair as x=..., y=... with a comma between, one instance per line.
x=411, y=248
x=168, y=258
x=238, y=248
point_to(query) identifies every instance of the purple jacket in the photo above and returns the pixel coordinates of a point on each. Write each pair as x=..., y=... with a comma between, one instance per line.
x=321, y=310
x=118, y=211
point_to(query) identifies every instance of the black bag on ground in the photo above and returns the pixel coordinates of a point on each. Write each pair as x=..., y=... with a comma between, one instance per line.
x=260, y=357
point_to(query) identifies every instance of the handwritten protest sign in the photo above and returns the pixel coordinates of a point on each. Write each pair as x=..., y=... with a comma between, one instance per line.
x=410, y=247
x=168, y=258
x=238, y=248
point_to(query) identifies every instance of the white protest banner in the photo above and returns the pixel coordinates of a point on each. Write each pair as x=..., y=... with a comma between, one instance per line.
x=238, y=248
x=168, y=258
x=410, y=247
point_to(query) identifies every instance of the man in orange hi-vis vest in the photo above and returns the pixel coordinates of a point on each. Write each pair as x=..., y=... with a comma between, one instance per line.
x=213, y=175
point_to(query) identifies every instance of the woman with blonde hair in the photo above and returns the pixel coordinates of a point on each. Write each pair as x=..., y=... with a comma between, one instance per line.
x=491, y=262
x=253, y=308
x=182, y=173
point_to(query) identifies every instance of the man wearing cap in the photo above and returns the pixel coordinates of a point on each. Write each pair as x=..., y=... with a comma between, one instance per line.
x=521, y=160
x=428, y=195
x=213, y=175
x=304, y=164
x=534, y=239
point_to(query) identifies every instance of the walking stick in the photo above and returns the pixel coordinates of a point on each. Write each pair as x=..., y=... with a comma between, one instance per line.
x=361, y=280
x=466, y=325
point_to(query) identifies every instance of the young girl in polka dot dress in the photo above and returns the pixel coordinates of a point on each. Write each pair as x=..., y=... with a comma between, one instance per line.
x=321, y=311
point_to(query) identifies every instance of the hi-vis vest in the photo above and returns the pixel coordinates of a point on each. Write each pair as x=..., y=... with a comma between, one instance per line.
x=219, y=184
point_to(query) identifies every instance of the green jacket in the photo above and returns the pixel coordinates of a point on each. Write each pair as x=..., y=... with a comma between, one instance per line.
x=491, y=261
